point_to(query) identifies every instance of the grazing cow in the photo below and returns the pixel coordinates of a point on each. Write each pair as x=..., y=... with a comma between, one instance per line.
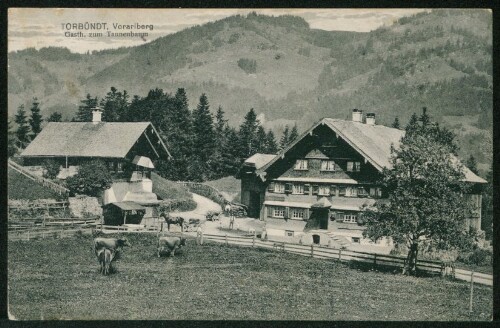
x=173, y=220
x=105, y=256
x=113, y=244
x=170, y=244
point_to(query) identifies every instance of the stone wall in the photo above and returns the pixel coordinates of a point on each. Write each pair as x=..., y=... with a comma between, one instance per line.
x=84, y=206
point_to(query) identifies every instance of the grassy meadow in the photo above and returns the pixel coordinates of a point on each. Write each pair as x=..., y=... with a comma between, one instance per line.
x=59, y=279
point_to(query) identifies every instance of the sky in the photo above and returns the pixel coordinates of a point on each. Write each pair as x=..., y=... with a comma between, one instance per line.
x=44, y=27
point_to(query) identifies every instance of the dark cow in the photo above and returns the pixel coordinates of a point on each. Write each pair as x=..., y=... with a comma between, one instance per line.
x=170, y=244
x=113, y=244
x=173, y=220
x=105, y=257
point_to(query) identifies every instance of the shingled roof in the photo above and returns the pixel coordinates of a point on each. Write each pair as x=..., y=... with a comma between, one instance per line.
x=373, y=142
x=86, y=139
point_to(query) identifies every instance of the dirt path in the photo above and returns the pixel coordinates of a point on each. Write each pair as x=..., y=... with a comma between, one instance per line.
x=203, y=205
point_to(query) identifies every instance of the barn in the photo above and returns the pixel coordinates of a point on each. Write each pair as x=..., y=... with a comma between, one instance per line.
x=129, y=150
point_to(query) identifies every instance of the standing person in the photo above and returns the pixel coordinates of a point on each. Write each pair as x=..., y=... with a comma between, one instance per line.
x=231, y=220
x=227, y=208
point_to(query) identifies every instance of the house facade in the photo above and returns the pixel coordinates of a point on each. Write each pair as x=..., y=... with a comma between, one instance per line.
x=315, y=189
x=129, y=150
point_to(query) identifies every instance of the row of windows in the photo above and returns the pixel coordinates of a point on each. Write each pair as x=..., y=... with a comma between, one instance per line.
x=324, y=190
x=294, y=213
x=280, y=212
x=328, y=165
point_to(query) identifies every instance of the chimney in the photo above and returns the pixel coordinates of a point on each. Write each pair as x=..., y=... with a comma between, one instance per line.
x=357, y=115
x=96, y=115
x=370, y=118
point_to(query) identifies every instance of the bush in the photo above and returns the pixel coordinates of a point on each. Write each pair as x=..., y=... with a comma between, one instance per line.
x=479, y=256
x=92, y=179
x=51, y=169
x=248, y=65
x=233, y=38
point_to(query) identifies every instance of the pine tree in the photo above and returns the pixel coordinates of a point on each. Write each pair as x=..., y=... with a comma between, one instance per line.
x=55, y=117
x=271, y=146
x=395, y=124
x=23, y=129
x=115, y=106
x=261, y=139
x=294, y=134
x=84, y=113
x=284, y=139
x=424, y=118
x=471, y=164
x=35, y=119
x=220, y=122
x=204, y=137
x=248, y=144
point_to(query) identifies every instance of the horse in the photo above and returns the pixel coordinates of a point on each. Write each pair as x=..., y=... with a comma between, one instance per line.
x=173, y=220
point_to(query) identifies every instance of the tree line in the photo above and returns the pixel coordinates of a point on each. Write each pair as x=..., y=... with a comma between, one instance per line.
x=202, y=143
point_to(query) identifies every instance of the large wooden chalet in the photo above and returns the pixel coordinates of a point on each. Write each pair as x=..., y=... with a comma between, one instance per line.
x=314, y=190
x=129, y=150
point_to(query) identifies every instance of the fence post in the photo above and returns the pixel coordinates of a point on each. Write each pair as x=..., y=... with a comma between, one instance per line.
x=201, y=238
x=226, y=240
x=375, y=261
x=312, y=250
x=471, y=290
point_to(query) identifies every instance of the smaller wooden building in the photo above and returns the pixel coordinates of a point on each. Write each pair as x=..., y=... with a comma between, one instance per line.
x=120, y=213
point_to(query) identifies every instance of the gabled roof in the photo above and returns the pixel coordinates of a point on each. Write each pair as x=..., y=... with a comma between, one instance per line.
x=87, y=139
x=373, y=142
x=259, y=160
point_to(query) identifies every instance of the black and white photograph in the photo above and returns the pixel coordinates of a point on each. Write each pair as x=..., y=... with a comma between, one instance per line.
x=319, y=164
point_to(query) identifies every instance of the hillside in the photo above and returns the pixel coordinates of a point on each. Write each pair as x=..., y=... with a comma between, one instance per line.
x=20, y=187
x=286, y=70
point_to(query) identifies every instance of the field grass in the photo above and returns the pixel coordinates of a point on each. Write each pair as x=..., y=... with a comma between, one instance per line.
x=59, y=279
x=21, y=187
x=230, y=187
x=176, y=194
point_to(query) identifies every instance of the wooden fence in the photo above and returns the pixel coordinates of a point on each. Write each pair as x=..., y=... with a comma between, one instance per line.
x=45, y=182
x=49, y=232
x=376, y=260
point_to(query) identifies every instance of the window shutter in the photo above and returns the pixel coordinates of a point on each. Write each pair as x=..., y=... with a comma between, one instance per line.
x=339, y=217
x=270, y=188
x=269, y=211
x=307, y=188
x=342, y=191
x=306, y=214
x=333, y=190
x=315, y=189
x=287, y=212
x=288, y=188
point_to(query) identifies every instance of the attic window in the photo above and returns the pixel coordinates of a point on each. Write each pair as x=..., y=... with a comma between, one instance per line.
x=327, y=165
x=353, y=166
x=301, y=164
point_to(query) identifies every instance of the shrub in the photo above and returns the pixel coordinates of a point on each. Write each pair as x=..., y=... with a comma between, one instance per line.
x=51, y=169
x=248, y=65
x=233, y=38
x=92, y=178
x=479, y=256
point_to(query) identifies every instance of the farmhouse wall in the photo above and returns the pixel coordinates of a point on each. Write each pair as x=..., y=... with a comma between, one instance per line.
x=81, y=206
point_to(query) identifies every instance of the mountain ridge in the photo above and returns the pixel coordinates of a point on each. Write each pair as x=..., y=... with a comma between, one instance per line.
x=285, y=70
